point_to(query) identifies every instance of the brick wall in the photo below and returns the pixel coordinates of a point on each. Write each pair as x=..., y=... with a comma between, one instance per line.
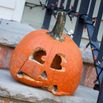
x=5, y=54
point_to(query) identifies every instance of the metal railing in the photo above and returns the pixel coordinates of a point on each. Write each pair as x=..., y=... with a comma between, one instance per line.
x=84, y=18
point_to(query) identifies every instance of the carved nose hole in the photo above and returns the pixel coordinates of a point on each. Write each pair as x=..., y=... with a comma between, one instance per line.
x=56, y=63
x=44, y=75
x=39, y=55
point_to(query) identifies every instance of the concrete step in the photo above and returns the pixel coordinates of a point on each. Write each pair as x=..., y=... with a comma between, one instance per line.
x=12, y=32
x=9, y=88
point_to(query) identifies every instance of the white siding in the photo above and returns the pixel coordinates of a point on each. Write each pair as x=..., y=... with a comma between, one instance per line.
x=7, y=4
x=11, y=9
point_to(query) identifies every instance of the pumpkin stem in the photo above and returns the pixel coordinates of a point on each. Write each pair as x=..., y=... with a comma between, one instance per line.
x=57, y=31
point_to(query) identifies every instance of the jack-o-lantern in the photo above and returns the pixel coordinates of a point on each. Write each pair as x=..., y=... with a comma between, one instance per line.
x=50, y=60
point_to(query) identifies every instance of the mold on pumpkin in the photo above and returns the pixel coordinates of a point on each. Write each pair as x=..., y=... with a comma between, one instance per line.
x=49, y=60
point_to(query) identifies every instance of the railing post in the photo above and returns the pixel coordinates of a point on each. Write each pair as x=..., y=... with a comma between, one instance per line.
x=79, y=25
x=100, y=96
x=48, y=13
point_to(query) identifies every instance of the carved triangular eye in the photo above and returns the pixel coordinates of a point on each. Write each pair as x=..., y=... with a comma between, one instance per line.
x=56, y=63
x=39, y=55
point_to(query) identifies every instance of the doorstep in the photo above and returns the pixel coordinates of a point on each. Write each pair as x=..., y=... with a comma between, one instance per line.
x=9, y=88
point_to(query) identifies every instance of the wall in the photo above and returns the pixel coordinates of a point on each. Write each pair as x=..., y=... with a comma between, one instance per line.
x=11, y=9
x=35, y=17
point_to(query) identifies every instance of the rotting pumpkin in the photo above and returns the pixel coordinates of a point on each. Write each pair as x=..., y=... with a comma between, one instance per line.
x=50, y=60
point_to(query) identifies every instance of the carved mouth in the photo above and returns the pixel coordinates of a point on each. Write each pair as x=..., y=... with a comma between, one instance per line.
x=23, y=75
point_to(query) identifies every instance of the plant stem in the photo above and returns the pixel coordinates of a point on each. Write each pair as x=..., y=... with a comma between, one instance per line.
x=57, y=31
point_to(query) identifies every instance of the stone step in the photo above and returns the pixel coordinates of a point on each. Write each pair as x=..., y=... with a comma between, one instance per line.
x=12, y=32
x=9, y=88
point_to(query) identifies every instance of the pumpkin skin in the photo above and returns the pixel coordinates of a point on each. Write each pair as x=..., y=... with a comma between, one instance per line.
x=39, y=60
x=49, y=60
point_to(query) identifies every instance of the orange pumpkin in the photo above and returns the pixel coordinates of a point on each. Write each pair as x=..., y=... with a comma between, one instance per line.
x=50, y=60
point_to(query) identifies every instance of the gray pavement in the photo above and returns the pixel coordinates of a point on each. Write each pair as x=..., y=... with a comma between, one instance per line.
x=11, y=89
